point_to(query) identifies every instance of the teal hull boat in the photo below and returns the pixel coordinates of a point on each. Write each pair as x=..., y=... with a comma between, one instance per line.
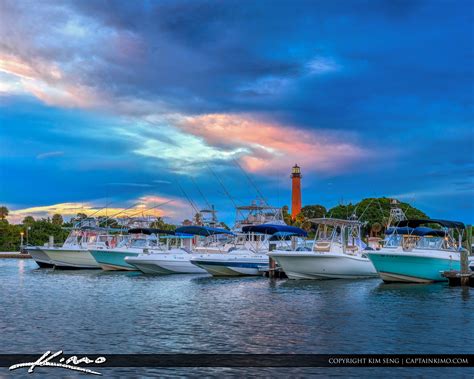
x=113, y=260
x=414, y=267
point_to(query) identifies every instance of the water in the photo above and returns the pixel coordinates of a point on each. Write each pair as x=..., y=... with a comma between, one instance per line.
x=118, y=312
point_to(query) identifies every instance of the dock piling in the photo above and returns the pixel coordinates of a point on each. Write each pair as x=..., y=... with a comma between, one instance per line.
x=469, y=238
x=464, y=257
x=271, y=262
x=464, y=277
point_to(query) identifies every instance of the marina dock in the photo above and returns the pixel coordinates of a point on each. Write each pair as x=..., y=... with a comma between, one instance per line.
x=456, y=278
x=14, y=254
x=274, y=272
x=465, y=277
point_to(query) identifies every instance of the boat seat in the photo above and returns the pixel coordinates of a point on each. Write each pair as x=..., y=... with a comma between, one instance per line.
x=322, y=246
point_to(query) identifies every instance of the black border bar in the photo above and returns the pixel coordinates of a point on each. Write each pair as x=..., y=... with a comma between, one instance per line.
x=258, y=360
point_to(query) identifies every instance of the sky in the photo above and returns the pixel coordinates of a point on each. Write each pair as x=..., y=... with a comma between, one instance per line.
x=142, y=104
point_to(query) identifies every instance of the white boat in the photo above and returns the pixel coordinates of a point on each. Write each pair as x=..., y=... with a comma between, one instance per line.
x=174, y=261
x=337, y=253
x=256, y=213
x=233, y=263
x=244, y=260
x=40, y=257
x=178, y=260
x=422, y=253
x=74, y=253
x=139, y=240
x=173, y=258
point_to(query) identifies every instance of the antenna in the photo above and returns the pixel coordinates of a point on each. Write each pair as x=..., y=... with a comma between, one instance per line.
x=98, y=210
x=202, y=195
x=149, y=209
x=252, y=183
x=106, y=206
x=223, y=187
x=124, y=210
x=80, y=222
x=187, y=197
x=367, y=207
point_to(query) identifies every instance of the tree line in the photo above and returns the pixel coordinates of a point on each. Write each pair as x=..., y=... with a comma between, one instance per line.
x=373, y=212
x=36, y=232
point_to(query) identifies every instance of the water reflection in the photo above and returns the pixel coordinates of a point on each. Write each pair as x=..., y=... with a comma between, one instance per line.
x=21, y=266
x=128, y=312
x=466, y=293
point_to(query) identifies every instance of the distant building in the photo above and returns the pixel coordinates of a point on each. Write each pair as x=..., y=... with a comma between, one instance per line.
x=295, y=191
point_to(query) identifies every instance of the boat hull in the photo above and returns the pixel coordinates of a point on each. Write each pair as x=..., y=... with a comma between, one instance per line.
x=71, y=258
x=114, y=260
x=324, y=266
x=407, y=267
x=40, y=257
x=165, y=264
x=231, y=266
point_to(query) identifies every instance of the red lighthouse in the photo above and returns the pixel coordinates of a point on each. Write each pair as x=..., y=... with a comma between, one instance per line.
x=295, y=191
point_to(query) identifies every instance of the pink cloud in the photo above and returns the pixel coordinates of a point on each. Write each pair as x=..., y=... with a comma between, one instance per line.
x=154, y=206
x=270, y=146
x=15, y=66
x=47, y=82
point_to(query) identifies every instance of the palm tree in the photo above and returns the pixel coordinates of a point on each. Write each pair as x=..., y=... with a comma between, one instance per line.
x=28, y=220
x=57, y=219
x=3, y=212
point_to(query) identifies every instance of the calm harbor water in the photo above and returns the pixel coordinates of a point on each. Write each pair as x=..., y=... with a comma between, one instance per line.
x=117, y=312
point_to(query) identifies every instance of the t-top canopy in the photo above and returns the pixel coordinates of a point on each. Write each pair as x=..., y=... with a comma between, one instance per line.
x=281, y=236
x=255, y=207
x=95, y=228
x=149, y=231
x=399, y=230
x=177, y=236
x=423, y=231
x=445, y=223
x=419, y=231
x=202, y=230
x=334, y=221
x=272, y=229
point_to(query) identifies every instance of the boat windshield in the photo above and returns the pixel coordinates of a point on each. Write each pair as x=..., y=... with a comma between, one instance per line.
x=431, y=243
x=122, y=240
x=92, y=238
x=139, y=242
x=255, y=237
x=73, y=238
x=338, y=235
x=393, y=240
x=103, y=238
x=216, y=240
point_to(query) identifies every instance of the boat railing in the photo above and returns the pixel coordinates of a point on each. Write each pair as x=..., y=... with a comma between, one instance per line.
x=54, y=245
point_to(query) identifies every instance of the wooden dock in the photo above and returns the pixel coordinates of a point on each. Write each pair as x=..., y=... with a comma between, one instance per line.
x=13, y=254
x=465, y=277
x=456, y=278
x=275, y=273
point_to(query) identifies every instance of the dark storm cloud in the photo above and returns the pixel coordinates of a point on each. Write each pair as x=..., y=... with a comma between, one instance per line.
x=392, y=77
x=398, y=63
